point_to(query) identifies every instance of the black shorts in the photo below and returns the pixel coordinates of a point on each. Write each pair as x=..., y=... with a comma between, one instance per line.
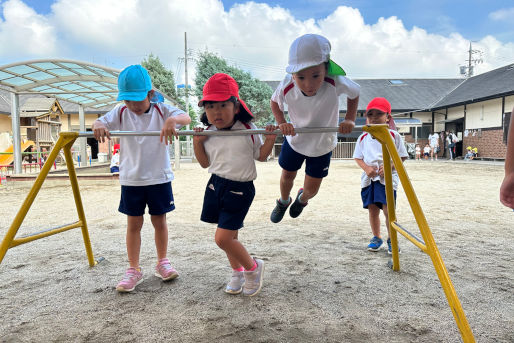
x=227, y=202
x=134, y=199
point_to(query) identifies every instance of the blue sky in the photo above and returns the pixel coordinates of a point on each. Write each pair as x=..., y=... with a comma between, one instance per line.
x=469, y=18
x=371, y=39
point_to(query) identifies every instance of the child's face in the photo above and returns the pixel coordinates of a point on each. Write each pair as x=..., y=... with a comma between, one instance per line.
x=310, y=79
x=221, y=114
x=138, y=107
x=376, y=117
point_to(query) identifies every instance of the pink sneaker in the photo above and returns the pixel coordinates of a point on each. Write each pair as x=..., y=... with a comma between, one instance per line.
x=130, y=280
x=165, y=271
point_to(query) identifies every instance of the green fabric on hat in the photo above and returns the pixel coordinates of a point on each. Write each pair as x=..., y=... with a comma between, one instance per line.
x=335, y=69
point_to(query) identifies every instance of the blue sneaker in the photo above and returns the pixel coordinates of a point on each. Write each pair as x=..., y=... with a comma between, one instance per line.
x=390, y=249
x=375, y=243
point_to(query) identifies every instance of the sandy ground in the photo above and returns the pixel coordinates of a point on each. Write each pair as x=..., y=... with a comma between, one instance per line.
x=320, y=284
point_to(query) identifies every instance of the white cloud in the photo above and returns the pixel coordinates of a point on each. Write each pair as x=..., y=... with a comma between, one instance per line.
x=254, y=36
x=503, y=14
x=23, y=32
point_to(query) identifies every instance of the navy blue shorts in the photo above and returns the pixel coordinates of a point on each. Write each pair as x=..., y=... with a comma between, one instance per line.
x=227, y=202
x=374, y=194
x=291, y=160
x=134, y=199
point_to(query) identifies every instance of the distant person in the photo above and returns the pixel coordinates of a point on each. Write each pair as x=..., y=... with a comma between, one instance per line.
x=145, y=168
x=311, y=92
x=368, y=155
x=418, y=152
x=469, y=154
x=426, y=151
x=507, y=187
x=115, y=162
x=230, y=190
x=433, y=139
x=451, y=140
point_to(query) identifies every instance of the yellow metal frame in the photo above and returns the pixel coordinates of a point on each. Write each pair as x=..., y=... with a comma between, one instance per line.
x=381, y=133
x=65, y=142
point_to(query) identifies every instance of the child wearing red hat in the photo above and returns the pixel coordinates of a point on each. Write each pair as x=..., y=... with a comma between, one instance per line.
x=368, y=155
x=145, y=168
x=230, y=190
x=311, y=92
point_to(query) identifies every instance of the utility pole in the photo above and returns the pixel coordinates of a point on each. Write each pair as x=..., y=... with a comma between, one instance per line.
x=468, y=70
x=187, y=91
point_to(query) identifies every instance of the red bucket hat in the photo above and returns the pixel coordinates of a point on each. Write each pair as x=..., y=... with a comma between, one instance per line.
x=380, y=104
x=220, y=87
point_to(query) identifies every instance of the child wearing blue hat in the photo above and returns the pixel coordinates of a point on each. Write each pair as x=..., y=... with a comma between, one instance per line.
x=311, y=92
x=145, y=168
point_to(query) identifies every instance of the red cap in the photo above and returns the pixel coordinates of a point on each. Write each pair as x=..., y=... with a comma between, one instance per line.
x=220, y=87
x=380, y=104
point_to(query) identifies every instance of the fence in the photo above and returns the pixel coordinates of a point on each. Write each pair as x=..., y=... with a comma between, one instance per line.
x=343, y=150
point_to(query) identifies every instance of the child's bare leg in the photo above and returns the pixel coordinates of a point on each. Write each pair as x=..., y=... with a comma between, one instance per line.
x=374, y=219
x=386, y=215
x=310, y=187
x=161, y=235
x=234, y=263
x=236, y=252
x=134, y=225
x=286, y=183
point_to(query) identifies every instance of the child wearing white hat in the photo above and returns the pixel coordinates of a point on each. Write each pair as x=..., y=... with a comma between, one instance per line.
x=310, y=93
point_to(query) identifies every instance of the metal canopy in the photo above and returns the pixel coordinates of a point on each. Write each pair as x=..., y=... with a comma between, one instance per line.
x=86, y=84
x=78, y=82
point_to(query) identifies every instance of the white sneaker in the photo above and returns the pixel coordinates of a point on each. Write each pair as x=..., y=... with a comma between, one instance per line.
x=253, y=279
x=235, y=285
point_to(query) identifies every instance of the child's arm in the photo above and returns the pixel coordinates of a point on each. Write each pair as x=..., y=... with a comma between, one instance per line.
x=169, y=129
x=286, y=128
x=369, y=170
x=351, y=112
x=198, y=147
x=266, y=148
x=507, y=187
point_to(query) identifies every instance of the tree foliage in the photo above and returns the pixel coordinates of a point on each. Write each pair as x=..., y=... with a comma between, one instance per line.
x=164, y=80
x=255, y=93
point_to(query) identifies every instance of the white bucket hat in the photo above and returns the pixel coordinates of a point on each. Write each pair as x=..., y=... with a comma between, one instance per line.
x=311, y=50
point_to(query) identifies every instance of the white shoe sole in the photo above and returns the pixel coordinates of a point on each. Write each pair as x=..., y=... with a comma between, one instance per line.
x=171, y=277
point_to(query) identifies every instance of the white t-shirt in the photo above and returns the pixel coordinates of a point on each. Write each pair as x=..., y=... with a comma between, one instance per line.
x=115, y=160
x=434, y=139
x=369, y=150
x=233, y=157
x=426, y=149
x=144, y=160
x=320, y=110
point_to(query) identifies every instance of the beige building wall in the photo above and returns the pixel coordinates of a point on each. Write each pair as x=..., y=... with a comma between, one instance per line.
x=509, y=103
x=484, y=114
x=455, y=113
x=5, y=123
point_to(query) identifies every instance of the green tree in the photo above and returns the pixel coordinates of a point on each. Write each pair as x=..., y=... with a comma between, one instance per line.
x=255, y=93
x=164, y=80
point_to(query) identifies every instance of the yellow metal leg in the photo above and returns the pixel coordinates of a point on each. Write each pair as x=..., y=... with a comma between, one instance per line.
x=65, y=141
x=381, y=133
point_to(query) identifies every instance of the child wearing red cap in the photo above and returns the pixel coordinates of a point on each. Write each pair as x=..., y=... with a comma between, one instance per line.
x=311, y=92
x=230, y=190
x=368, y=155
x=145, y=168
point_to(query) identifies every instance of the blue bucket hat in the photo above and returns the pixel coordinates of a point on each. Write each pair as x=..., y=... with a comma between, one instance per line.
x=134, y=83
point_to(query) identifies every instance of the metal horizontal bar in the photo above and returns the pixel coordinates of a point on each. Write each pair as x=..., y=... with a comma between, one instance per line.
x=415, y=240
x=45, y=233
x=220, y=132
